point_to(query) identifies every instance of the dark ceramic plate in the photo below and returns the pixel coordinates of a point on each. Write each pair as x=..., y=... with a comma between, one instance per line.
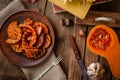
x=17, y=58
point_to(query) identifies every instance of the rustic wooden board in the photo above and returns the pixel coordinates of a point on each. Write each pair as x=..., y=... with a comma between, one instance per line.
x=62, y=46
x=90, y=18
x=87, y=56
x=74, y=69
x=113, y=6
x=107, y=75
x=90, y=22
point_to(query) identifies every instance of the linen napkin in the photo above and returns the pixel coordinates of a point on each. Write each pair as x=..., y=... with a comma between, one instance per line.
x=56, y=73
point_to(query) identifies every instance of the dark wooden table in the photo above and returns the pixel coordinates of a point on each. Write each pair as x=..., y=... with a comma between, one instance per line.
x=62, y=47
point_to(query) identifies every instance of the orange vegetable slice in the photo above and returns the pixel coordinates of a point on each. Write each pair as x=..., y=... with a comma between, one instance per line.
x=14, y=33
x=103, y=41
x=47, y=41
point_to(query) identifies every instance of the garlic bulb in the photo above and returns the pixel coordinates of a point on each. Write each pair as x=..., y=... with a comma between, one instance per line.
x=95, y=71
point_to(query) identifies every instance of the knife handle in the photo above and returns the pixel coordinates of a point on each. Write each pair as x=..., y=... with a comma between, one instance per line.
x=74, y=46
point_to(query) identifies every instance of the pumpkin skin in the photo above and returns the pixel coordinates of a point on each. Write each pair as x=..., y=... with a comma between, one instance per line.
x=111, y=52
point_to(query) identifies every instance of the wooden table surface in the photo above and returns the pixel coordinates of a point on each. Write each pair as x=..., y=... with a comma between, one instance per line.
x=62, y=47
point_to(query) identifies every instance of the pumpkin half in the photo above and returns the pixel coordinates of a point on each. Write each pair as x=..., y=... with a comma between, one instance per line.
x=103, y=41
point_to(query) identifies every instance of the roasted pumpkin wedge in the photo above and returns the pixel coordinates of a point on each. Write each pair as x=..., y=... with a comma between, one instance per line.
x=30, y=38
x=29, y=30
x=17, y=47
x=47, y=41
x=14, y=33
x=28, y=21
x=42, y=25
x=103, y=41
x=40, y=41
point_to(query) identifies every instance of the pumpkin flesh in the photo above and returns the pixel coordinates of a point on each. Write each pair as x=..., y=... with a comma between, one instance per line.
x=103, y=41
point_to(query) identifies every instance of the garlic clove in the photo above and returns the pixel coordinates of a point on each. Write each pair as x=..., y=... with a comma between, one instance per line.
x=81, y=33
x=91, y=74
x=92, y=67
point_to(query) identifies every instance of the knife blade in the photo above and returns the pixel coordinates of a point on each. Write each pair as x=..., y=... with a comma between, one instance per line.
x=77, y=55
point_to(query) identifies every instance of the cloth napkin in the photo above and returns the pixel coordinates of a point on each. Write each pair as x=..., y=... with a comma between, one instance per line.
x=56, y=73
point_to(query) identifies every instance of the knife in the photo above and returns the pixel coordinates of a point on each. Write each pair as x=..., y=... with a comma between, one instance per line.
x=77, y=55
